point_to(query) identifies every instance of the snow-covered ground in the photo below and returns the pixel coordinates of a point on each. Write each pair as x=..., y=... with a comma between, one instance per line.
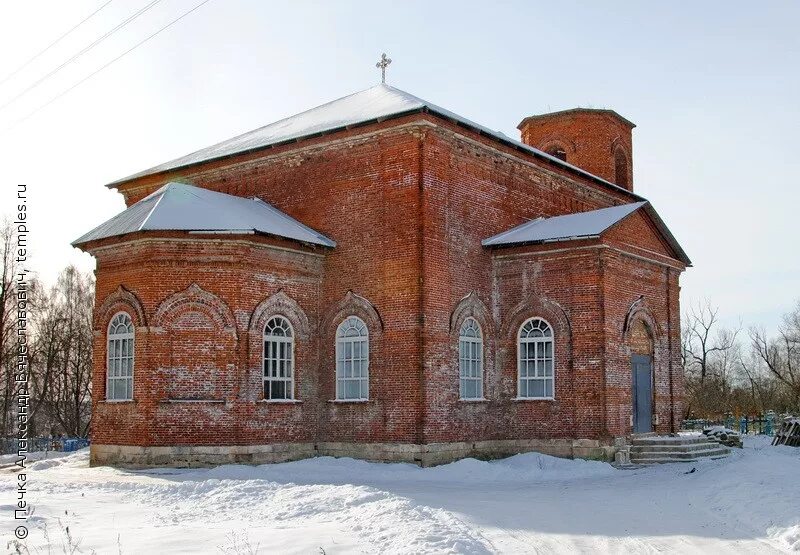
x=525, y=504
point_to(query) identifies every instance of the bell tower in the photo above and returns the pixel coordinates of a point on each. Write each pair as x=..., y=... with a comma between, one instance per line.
x=598, y=141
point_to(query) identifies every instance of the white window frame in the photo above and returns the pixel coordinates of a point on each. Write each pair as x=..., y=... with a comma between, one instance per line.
x=539, y=362
x=470, y=359
x=268, y=355
x=342, y=343
x=119, y=339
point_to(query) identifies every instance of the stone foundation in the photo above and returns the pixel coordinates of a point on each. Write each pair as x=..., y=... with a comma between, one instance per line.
x=431, y=454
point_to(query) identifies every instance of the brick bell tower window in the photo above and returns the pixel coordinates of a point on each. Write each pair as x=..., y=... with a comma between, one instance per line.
x=470, y=360
x=352, y=360
x=558, y=152
x=119, y=361
x=535, y=360
x=278, y=359
x=621, y=168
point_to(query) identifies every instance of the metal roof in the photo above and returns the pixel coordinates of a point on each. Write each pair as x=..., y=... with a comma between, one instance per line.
x=569, y=226
x=559, y=113
x=582, y=225
x=377, y=103
x=182, y=207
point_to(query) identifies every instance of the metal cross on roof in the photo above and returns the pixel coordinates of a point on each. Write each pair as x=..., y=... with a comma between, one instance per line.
x=383, y=64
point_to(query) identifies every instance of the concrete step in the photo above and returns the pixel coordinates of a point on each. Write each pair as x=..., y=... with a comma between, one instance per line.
x=653, y=449
x=680, y=455
x=668, y=440
x=700, y=446
x=669, y=449
x=647, y=462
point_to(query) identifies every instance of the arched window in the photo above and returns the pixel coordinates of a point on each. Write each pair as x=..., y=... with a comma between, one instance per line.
x=621, y=168
x=535, y=360
x=278, y=359
x=470, y=360
x=119, y=358
x=352, y=360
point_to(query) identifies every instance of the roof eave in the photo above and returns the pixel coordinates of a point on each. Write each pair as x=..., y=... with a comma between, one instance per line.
x=85, y=245
x=568, y=111
x=507, y=141
x=651, y=212
x=538, y=242
x=671, y=240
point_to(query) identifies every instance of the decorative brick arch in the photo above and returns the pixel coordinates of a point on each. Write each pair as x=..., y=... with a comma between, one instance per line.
x=622, y=162
x=639, y=310
x=283, y=305
x=352, y=305
x=471, y=307
x=539, y=307
x=550, y=144
x=303, y=355
x=195, y=298
x=121, y=300
x=619, y=144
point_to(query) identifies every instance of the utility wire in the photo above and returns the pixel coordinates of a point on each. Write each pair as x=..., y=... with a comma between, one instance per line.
x=52, y=44
x=82, y=52
x=131, y=49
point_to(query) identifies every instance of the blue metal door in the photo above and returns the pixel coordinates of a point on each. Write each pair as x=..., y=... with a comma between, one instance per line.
x=642, y=394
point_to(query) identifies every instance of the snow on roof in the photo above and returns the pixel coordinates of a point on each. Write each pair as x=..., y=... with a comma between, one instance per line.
x=182, y=207
x=373, y=104
x=569, y=226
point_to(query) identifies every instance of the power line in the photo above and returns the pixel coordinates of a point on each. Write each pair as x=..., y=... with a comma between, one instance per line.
x=134, y=47
x=52, y=44
x=82, y=52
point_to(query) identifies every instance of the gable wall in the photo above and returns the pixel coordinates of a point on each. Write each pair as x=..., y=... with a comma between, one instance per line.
x=637, y=233
x=626, y=279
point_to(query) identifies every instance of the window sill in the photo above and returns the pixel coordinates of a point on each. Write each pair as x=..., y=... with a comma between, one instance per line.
x=179, y=401
x=117, y=401
x=279, y=401
x=346, y=401
x=480, y=400
x=533, y=399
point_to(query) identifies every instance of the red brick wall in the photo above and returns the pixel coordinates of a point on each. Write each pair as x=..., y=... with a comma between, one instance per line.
x=627, y=279
x=408, y=207
x=199, y=338
x=637, y=234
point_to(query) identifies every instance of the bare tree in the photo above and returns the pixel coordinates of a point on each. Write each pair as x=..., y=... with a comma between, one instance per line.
x=8, y=341
x=710, y=356
x=781, y=355
x=60, y=348
x=64, y=352
x=702, y=339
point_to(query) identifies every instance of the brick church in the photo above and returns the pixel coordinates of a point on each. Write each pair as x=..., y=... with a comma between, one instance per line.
x=381, y=278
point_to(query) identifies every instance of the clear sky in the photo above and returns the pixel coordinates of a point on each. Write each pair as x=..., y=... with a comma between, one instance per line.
x=714, y=88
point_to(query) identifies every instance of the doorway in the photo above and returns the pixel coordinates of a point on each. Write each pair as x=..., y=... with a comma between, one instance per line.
x=642, y=368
